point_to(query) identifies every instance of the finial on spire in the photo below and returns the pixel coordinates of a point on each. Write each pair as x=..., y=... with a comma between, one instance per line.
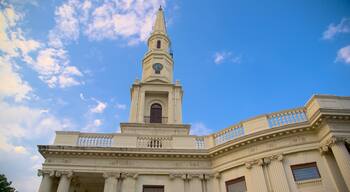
x=160, y=8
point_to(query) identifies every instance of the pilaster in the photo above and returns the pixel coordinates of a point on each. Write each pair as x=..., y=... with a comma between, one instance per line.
x=177, y=182
x=257, y=175
x=129, y=182
x=195, y=183
x=277, y=174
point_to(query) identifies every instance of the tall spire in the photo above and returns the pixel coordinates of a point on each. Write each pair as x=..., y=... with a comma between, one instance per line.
x=159, y=26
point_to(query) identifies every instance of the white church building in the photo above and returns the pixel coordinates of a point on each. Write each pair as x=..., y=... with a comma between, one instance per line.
x=296, y=150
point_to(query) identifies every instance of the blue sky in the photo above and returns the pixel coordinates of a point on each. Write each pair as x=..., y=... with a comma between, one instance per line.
x=69, y=65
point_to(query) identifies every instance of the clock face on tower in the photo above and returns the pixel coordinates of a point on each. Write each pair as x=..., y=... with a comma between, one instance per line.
x=157, y=67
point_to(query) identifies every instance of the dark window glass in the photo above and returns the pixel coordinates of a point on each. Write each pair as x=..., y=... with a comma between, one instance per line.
x=305, y=171
x=236, y=185
x=158, y=44
x=153, y=188
x=156, y=113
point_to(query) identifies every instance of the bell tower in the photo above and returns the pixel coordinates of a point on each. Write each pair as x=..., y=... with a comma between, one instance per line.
x=156, y=99
x=157, y=64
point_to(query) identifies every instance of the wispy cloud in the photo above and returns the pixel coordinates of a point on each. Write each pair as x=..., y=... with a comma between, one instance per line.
x=199, y=128
x=121, y=106
x=226, y=56
x=99, y=107
x=334, y=29
x=343, y=55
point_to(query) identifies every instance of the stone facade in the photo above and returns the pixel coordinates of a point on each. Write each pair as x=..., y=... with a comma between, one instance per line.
x=264, y=152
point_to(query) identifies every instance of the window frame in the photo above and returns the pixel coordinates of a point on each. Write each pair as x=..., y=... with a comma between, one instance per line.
x=234, y=181
x=305, y=165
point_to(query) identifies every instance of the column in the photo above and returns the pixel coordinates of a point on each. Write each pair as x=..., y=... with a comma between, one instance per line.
x=336, y=181
x=342, y=158
x=177, y=183
x=216, y=182
x=111, y=181
x=129, y=182
x=278, y=176
x=257, y=176
x=65, y=179
x=208, y=182
x=195, y=183
x=46, y=182
x=171, y=106
x=141, y=107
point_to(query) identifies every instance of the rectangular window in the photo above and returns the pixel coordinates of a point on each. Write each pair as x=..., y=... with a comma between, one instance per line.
x=236, y=185
x=305, y=171
x=153, y=188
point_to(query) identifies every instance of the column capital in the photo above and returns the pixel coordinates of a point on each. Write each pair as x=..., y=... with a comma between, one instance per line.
x=107, y=175
x=278, y=157
x=248, y=165
x=132, y=175
x=335, y=139
x=50, y=173
x=217, y=175
x=68, y=173
x=173, y=176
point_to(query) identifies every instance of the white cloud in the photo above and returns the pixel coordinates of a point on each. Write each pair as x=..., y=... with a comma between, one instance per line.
x=223, y=56
x=54, y=69
x=20, y=149
x=51, y=64
x=343, y=55
x=15, y=86
x=334, y=29
x=22, y=128
x=97, y=122
x=99, y=108
x=199, y=129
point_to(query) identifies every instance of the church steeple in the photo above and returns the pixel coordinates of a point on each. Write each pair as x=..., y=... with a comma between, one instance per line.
x=156, y=99
x=159, y=26
x=157, y=64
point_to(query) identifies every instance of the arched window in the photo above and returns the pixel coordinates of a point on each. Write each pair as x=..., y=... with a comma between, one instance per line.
x=156, y=113
x=158, y=44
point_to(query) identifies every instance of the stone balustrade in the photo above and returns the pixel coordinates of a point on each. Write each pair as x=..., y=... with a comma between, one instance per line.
x=154, y=142
x=287, y=117
x=95, y=140
x=228, y=134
